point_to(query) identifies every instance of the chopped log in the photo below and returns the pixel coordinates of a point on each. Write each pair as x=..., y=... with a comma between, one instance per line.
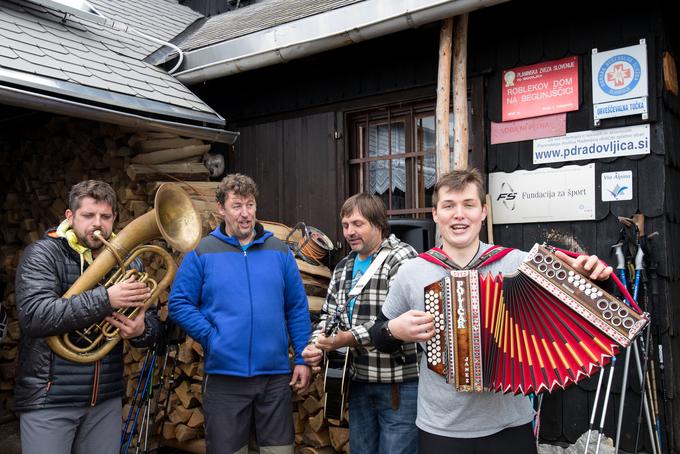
x=180, y=414
x=197, y=419
x=185, y=353
x=184, y=433
x=189, y=369
x=197, y=391
x=339, y=437
x=316, y=421
x=146, y=146
x=194, y=188
x=186, y=171
x=298, y=423
x=13, y=331
x=317, y=439
x=171, y=154
x=315, y=303
x=318, y=385
x=314, y=270
x=324, y=450
x=198, y=348
x=168, y=430
x=312, y=405
x=138, y=207
x=185, y=395
x=137, y=353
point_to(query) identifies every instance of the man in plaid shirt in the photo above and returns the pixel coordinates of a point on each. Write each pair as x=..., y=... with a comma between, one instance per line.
x=383, y=387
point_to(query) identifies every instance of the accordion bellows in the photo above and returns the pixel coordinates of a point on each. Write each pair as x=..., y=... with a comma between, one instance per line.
x=541, y=328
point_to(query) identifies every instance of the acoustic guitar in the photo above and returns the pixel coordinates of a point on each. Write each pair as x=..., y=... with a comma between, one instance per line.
x=336, y=383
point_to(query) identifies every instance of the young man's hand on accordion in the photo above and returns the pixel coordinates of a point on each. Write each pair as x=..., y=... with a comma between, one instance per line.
x=588, y=265
x=412, y=326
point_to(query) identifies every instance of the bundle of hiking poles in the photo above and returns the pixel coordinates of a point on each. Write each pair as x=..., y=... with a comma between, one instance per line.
x=636, y=267
x=141, y=433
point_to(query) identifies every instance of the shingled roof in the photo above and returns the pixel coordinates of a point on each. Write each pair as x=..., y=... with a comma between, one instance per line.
x=256, y=17
x=45, y=52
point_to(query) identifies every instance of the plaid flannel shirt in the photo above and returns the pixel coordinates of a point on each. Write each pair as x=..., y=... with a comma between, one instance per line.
x=368, y=364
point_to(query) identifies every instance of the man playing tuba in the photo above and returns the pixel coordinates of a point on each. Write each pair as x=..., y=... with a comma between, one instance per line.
x=71, y=407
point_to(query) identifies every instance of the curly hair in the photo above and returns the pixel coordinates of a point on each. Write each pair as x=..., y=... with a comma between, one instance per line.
x=237, y=183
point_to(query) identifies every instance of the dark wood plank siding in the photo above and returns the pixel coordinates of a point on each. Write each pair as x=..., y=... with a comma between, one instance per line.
x=294, y=163
x=287, y=115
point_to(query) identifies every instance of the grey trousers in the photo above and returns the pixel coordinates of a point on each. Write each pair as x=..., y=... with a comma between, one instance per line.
x=230, y=404
x=72, y=430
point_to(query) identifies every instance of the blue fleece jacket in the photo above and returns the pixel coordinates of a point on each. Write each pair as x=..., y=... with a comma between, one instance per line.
x=242, y=305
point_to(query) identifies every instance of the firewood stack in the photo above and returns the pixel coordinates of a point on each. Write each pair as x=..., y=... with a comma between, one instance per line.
x=38, y=167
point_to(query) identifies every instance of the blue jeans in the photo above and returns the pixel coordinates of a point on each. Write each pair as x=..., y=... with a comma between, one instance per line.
x=374, y=427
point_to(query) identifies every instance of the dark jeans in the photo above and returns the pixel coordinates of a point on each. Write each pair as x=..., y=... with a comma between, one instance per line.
x=374, y=427
x=517, y=440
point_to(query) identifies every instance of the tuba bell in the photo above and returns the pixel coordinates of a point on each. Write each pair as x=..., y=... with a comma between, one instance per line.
x=176, y=220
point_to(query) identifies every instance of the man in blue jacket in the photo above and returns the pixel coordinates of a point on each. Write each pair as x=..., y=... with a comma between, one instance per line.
x=241, y=296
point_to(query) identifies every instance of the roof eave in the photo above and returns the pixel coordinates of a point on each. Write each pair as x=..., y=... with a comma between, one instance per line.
x=46, y=102
x=315, y=34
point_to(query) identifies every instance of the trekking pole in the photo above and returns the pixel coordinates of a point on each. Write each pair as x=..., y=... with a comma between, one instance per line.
x=171, y=340
x=141, y=405
x=134, y=399
x=604, y=408
x=593, y=413
x=624, y=385
x=642, y=375
x=652, y=277
x=146, y=383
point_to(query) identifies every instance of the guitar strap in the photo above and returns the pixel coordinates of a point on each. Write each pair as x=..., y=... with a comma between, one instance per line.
x=375, y=264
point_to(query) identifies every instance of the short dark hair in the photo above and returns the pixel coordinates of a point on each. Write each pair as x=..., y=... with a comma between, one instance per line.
x=98, y=190
x=369, y=206
x=237, y=183
x=457, y=180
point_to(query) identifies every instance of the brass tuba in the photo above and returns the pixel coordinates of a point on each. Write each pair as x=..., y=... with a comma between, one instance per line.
x=177, y=221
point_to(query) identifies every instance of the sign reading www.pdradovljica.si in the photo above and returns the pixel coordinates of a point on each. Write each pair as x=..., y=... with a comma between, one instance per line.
x=605, y=143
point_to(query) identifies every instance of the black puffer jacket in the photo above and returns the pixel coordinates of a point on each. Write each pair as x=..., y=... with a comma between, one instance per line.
x=47, y=270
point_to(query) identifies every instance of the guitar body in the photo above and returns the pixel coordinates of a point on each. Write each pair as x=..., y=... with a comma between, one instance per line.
x=336, y=383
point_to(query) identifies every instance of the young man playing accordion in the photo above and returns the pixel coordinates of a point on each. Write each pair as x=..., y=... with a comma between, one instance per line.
x=451, y=421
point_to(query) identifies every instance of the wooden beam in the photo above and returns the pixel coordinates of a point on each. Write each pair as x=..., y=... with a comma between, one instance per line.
x=185, y=171
x=170, y=154
x=443, y=96
x=460, y=105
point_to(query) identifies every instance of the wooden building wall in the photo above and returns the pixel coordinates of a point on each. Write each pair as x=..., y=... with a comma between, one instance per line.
x=290, y=114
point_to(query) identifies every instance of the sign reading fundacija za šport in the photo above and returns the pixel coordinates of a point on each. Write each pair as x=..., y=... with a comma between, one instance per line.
x=545, y=88
x=543, y=195
x=598, y=144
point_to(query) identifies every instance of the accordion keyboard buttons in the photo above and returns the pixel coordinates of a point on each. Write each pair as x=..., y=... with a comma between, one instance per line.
x=434, y=355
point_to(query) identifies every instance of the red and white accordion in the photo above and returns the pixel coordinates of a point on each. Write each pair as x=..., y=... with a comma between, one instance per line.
x=543, y=327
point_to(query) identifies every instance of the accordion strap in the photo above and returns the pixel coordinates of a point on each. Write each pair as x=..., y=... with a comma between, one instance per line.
x=439, y=257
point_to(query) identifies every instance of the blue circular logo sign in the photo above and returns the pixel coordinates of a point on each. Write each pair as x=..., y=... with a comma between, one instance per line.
x=619, y=75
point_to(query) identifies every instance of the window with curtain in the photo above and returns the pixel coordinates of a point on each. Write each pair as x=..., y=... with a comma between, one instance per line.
x=392, y=155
